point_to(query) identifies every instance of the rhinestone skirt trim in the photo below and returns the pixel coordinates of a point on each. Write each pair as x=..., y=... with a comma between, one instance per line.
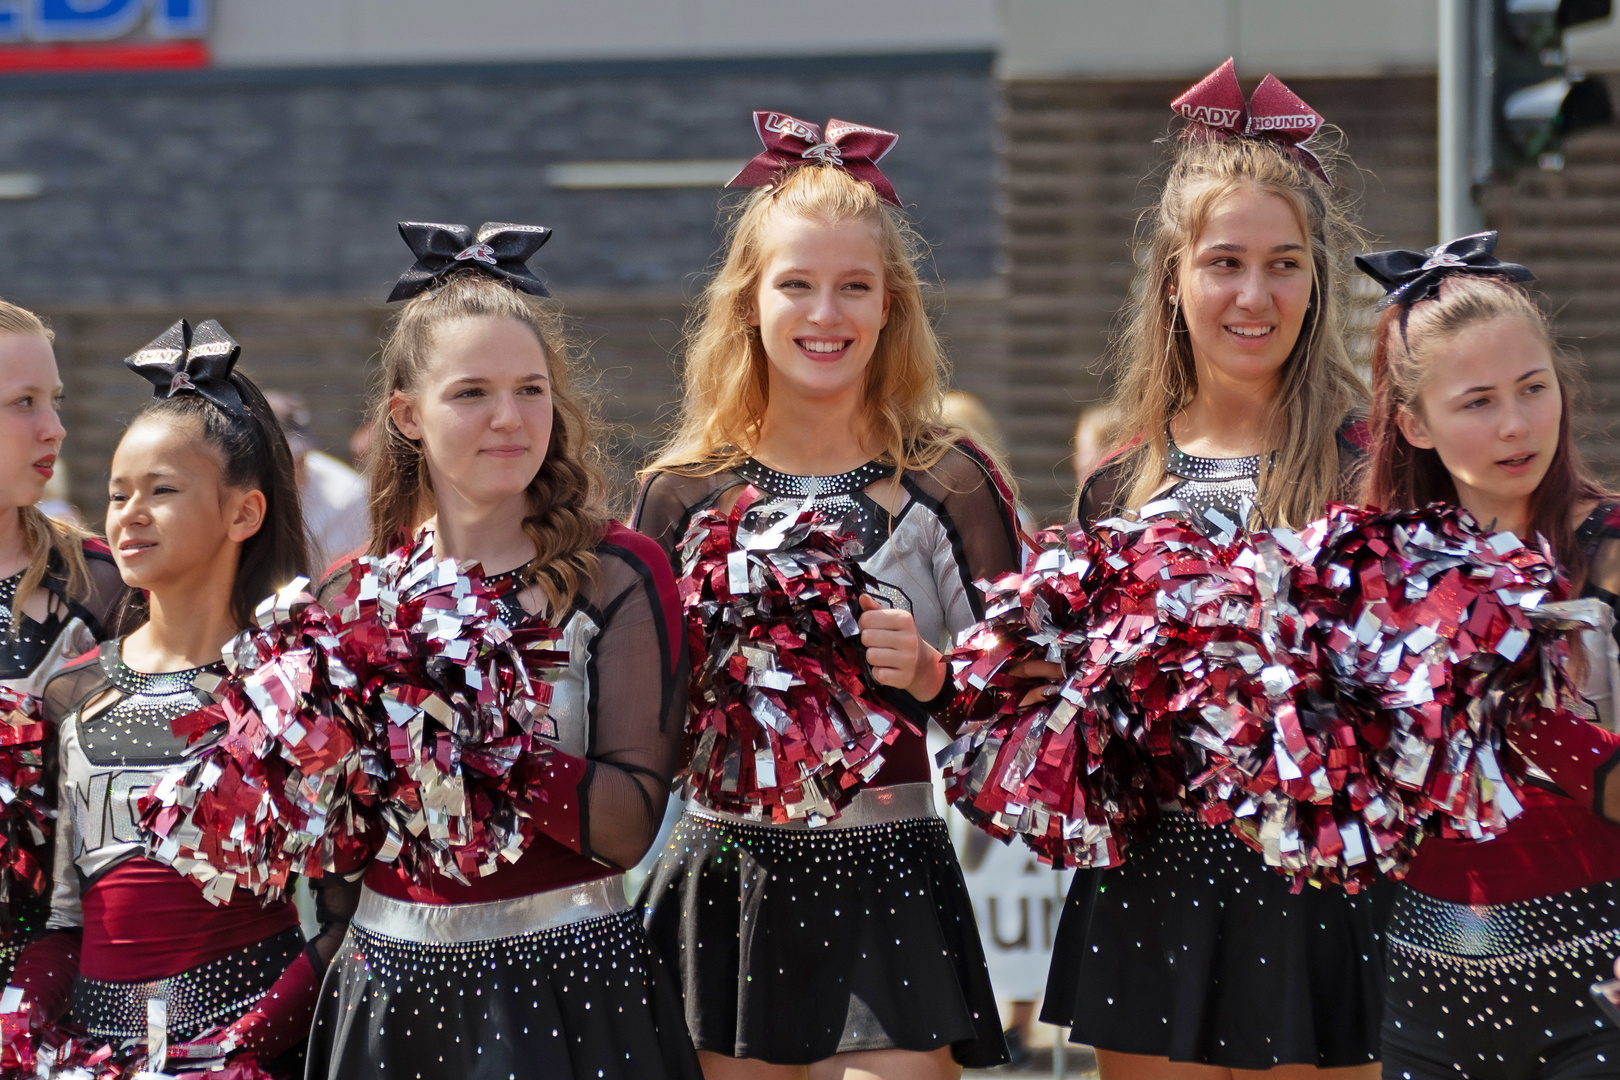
x=1543, y=930
x=216, y=992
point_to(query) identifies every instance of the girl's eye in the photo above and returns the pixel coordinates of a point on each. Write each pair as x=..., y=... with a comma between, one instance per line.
x=793, y=283
x=470, y=393
x=859, y=286
x=26, y=401
x=534, y=391
x=1288, y=264
x=1477, y=403
x=1535, y=388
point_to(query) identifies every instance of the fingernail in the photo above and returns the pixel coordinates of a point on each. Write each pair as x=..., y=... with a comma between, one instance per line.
x=1049, y=691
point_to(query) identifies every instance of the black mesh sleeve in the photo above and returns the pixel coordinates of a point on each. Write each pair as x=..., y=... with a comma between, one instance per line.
x=638, y=669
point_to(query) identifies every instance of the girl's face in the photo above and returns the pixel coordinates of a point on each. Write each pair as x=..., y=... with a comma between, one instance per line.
x=1491, y=410
x=483, y=410
x=820, y=306
x=1244, y=288
x=171, y=520
x=30, y=430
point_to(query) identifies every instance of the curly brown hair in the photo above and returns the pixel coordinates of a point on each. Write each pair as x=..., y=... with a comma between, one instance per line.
x=567, y=500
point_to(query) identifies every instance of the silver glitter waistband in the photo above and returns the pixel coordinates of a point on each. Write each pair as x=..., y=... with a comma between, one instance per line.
x=1522, y=931
x=216, y=992
x=870, y=806
x=448, y=924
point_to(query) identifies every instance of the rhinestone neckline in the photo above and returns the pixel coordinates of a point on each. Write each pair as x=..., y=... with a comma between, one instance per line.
x=823, y=487
x=1185, y=465
x=149, y=684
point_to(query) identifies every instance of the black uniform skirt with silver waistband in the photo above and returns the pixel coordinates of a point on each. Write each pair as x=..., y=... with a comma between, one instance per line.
x=1194, y=950
x=1499, y=991
x=559, y=984
x=793, y=945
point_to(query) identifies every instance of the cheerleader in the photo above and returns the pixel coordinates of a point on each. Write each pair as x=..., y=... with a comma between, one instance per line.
x=203, y=518
x=1235, y=397
x=812, y=368
x=60, y=588
x=539, y=968
x=1492, y=946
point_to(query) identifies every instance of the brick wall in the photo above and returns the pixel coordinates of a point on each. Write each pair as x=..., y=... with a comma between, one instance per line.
x=268, y=185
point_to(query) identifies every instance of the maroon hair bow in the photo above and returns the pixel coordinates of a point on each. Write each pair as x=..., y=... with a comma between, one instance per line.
x=790, y=141
x=1216, y=109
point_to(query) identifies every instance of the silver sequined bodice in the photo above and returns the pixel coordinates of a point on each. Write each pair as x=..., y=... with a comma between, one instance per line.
x=1229, y=485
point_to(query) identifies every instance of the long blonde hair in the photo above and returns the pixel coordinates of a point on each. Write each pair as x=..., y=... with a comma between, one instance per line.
x=43, y=535
x=1152, y=352
x=567, y=503
x=726, y=374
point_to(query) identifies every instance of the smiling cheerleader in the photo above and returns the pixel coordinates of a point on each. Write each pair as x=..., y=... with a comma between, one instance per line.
x=812, y=370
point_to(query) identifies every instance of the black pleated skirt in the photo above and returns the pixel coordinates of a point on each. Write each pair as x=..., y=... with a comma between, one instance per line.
x=1195, y=951
x=793, y=945
x=585, y=1001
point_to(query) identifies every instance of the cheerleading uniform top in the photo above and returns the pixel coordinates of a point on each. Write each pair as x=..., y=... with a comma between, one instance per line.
x=1559, y=843
x=955, y=524
x=71, y=626
x=137, y=919
x=614, y=725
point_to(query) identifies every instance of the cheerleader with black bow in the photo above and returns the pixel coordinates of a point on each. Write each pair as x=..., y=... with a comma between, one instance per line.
x=1493, y=946
x=530, y=962
x=203, y=518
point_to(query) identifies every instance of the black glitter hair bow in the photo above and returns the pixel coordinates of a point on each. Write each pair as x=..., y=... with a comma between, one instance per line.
x=1410, y=276
x=499, y=249
x=183, y=360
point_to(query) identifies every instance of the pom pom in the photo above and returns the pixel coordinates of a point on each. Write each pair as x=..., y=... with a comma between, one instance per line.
x=52, y=1051
x=1439, y=641
x=784, y=721
x=280, y=788
x=454, y=702
x=26, y=813
x=1135, y=615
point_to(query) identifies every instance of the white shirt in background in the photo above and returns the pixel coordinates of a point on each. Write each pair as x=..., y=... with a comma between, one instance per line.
x=335, y=510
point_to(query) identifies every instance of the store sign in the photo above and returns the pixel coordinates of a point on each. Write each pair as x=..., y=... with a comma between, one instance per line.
x=102, y=35
x=100, y=20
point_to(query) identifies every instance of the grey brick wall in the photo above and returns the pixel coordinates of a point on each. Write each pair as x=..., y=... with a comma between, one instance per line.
x=285, y=185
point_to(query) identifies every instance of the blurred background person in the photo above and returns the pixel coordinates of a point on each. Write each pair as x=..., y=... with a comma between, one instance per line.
x=334, y=496
x=1092, y=438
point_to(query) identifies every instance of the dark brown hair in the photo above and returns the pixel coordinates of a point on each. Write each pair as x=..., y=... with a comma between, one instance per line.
x=253, y=456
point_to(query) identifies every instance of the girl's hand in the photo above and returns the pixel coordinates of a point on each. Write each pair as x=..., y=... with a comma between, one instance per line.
x=1038, y=669
x=898, y=656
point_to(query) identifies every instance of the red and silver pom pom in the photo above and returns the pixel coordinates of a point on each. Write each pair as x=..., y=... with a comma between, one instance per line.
x=1439, y=641
x=1137, y=616
x=281, y=787
x=785, y=725
x=455, y=703
x=26, y=813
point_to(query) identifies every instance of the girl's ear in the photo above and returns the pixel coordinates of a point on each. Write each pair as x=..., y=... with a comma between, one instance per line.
x=1415, y=430
x=403, y=412
x=246, y=510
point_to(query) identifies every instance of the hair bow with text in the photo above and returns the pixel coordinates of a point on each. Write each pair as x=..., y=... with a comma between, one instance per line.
x=790, y=141
x=183, y=360
x=1216, y=109
x=498, y=249
x=1410, y=276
